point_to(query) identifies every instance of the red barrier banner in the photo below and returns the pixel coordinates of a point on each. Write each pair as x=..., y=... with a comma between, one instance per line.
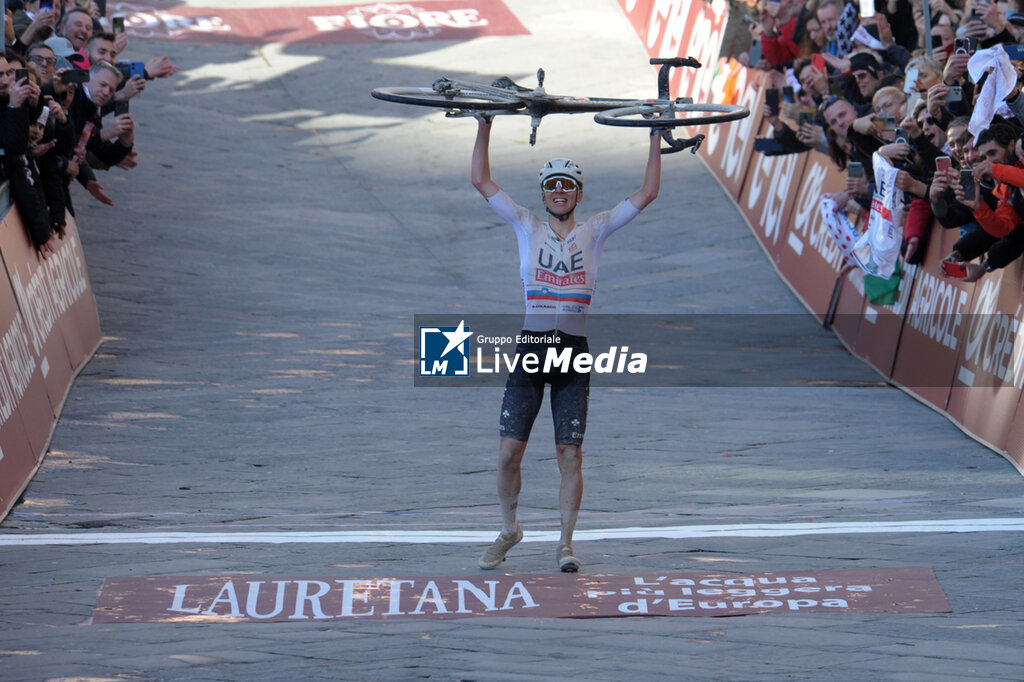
x=236, y=599
x=990, y=370
x=728, y=147
x=930, y=338
x=21, y=389
x=810, y=260
x=51, y=328
x=365, y=23
x=878, y=334
x=768, y=196
x=681, y=28
x=1015, y=438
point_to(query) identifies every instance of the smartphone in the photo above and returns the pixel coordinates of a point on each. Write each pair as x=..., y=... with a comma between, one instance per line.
x=118, y=24
x=1015, y=51
x=138, y=69
x=908, y=84
x=901, y=136
x=767, y=144
x=121, y=107
x=101, y=5
x=20, y=74
x=855, y=169
x=956, y=94
x=867, y=9
x=755, y=52
x=46, y=6
x=806, y=117
x=787, y=95
x=942, y=164
x=74, y=76
x=888, y=121
x=967, y=183
x=965, y=45
x=954, y=269
x=936, y=42
x=818, y=62
x=835, y=86
x=771, y=98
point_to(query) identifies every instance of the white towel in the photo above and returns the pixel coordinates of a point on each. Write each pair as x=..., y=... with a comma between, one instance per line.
x=997, y=86
x=862, y=36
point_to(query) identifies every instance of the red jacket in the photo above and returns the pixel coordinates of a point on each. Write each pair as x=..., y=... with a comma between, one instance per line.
x=1004, y=219
x=781, y=49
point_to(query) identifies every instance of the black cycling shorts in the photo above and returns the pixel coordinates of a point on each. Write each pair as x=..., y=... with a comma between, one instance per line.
x=524, y=392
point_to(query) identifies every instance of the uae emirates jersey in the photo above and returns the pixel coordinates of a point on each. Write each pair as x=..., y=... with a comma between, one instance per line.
x=559, y=276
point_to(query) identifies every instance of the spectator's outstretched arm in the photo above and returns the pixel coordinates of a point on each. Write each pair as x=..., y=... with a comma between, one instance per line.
x=648, y=191
x=481, y=167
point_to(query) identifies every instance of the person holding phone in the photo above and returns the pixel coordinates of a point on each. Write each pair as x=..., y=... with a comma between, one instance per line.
x=109, y=144
x=35, y=21
x=1000, y=236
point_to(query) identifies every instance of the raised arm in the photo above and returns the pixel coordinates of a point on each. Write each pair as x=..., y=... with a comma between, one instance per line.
x=648, y=191
x=481, y=169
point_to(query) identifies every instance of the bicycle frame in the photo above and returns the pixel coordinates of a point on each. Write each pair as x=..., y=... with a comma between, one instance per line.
x=538, y=103
x=503, y=96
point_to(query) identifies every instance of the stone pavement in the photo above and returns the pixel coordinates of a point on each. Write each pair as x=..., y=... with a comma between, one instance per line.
x=257, y=281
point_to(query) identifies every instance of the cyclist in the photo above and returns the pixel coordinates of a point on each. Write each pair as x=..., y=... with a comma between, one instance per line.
x=558, y=264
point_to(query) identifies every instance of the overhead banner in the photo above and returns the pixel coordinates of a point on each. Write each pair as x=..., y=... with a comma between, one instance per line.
x=236, y=599
x=351, y=23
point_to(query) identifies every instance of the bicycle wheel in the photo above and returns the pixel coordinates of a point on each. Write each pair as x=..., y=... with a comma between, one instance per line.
x=674, y=114
x=459, y=99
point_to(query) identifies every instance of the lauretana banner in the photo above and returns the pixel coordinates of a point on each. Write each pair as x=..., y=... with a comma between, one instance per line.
x=954, y=345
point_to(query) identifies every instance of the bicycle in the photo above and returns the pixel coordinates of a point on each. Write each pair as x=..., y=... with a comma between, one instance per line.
x=503, y=96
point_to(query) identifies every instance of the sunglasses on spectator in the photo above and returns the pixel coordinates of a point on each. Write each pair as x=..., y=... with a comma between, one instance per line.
x=555, y=184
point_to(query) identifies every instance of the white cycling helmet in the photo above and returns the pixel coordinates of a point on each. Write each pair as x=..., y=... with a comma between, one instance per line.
x=564, y=168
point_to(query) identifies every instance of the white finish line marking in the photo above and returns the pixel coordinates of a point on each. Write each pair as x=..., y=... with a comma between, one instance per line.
x=749, y=530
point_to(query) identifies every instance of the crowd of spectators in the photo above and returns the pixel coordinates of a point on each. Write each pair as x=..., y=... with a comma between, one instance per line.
x=65, y=103
x=942, y=103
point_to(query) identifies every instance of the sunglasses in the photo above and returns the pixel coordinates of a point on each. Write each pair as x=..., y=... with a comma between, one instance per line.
x=555, y=184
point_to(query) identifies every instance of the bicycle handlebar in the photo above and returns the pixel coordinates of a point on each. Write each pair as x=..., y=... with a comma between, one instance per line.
x=676, y=61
